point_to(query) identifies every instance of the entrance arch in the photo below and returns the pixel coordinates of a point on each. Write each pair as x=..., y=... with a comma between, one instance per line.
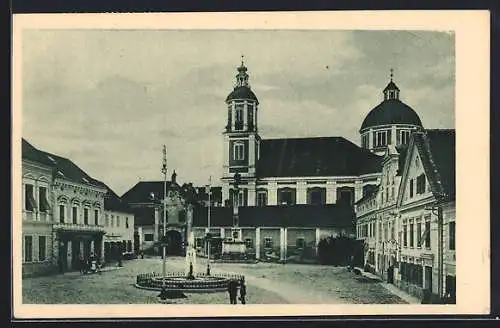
x=174, y=242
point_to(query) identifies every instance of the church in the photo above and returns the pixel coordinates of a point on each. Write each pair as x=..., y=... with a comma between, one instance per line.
x=291, y=192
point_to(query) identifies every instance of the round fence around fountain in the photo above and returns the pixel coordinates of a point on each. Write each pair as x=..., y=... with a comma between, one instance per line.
x=202, y=283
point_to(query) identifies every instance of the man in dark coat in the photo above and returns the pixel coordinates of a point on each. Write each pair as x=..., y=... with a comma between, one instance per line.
x=243, y=291
x=232, y=288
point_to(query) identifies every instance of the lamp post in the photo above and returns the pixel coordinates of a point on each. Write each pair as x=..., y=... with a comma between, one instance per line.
x=164, y=171
x=209, y=187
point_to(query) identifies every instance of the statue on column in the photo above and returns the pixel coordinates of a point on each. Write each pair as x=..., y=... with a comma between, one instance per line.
x=190, y=251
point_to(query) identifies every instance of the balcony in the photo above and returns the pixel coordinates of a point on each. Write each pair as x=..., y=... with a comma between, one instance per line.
x=78, y=227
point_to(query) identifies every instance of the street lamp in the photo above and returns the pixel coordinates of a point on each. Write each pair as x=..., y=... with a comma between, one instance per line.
x=209, y=187
x=164, y=171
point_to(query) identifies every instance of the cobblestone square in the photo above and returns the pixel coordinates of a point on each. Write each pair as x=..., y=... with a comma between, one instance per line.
x=267, y=283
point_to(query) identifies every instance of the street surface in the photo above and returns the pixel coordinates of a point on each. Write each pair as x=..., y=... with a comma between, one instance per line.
x=267, y=283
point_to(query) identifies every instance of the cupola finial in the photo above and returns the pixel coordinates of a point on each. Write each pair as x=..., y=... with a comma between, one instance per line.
x=242, y=76
x=392, y=73
x=391, y=91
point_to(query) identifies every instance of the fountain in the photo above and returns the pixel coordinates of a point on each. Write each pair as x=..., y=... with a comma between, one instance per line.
x=173, y=284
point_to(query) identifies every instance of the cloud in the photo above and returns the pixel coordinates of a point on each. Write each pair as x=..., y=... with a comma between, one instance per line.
x=109, y=100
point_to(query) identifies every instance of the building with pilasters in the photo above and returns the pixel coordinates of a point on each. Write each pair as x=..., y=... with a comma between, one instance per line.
x=409, y=235
x=61, y=198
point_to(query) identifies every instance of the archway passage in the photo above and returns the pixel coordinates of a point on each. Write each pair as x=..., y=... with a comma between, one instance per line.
x=174, y=242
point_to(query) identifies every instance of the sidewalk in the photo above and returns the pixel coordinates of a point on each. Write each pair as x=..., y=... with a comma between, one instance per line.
x=391, y=288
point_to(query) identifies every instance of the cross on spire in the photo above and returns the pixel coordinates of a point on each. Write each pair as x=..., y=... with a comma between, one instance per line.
x=392, y=73
x=242, y=60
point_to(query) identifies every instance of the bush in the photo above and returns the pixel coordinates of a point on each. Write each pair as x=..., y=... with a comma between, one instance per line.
x=340, y=250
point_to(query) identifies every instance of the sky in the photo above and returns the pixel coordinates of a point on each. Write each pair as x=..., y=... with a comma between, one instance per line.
x=110, y=99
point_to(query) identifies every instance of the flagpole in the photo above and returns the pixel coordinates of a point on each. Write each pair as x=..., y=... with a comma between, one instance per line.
x=208, y=224
x=164, y=171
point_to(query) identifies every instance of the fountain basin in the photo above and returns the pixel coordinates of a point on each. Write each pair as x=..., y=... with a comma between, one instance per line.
x=178, y=281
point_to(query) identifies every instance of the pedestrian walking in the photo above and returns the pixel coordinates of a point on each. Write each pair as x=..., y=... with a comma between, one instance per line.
x=243, y=291
x=232, y=288
x=81, y=262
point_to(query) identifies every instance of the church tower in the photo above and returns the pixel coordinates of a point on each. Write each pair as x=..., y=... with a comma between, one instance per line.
x=390, y=123
x=241, y=139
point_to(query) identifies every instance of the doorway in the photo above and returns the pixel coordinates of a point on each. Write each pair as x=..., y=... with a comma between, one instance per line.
x=174, y=242
x=428, y=278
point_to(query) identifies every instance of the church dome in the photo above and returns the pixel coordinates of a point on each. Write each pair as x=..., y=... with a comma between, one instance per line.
x=391, y=110
x=242, y=92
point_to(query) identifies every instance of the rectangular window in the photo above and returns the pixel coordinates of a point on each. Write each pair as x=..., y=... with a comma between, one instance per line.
x=118, y=221
x=42, y=199
x=62, y=210
x=236, y=235
x=126, y=222
x=238, y=117
x=317, y=196
x=148, y=237
x=405, y=137
x=112, y=223
x=42, y=248
x=86, y=216
x=28, y=249
x=286, y=196
x=239, y=151
x=300, y=242
x=419, y=234
x=249, y=243
x=452, y=235
x=268, y=242
x=411, y=188
x=428, y=234
x=380, y=138
x=261, y=198
x=74, y=215
x=107, y=220
x=29, y=199
x=96, y=217
x=421, y=184
x=411, y=235
x=405, y=235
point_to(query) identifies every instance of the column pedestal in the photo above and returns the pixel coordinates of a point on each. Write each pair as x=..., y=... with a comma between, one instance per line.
x=257, y=243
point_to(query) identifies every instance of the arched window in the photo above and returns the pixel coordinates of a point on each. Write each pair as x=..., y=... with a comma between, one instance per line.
x=316, y=196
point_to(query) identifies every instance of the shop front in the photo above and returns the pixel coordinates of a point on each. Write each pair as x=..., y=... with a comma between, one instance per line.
x=75, y=245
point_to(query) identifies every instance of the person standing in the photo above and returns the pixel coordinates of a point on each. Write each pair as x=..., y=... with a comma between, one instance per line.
x=232, y=288
x=243, y=291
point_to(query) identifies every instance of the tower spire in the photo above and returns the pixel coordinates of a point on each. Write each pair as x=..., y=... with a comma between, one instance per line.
x=392, y=73
x=242, y=76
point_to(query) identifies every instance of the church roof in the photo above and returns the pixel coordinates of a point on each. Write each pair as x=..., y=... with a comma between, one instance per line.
x=141, y=192
x=242, y=92
x=300, y=215
x=112, y=202
x=437, y=151
x=391, y=111
x=61, y=167
x=321, y=156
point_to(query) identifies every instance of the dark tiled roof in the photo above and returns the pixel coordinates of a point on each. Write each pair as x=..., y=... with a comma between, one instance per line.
x=112, y=202
x=391, y=111
x=242, y=92
x=437, y=149
x=140, y=193
x=323, y=156
x=62, y=167
x=401, y=159
x=330, y=215
x=143, y=215
x=215, y=197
